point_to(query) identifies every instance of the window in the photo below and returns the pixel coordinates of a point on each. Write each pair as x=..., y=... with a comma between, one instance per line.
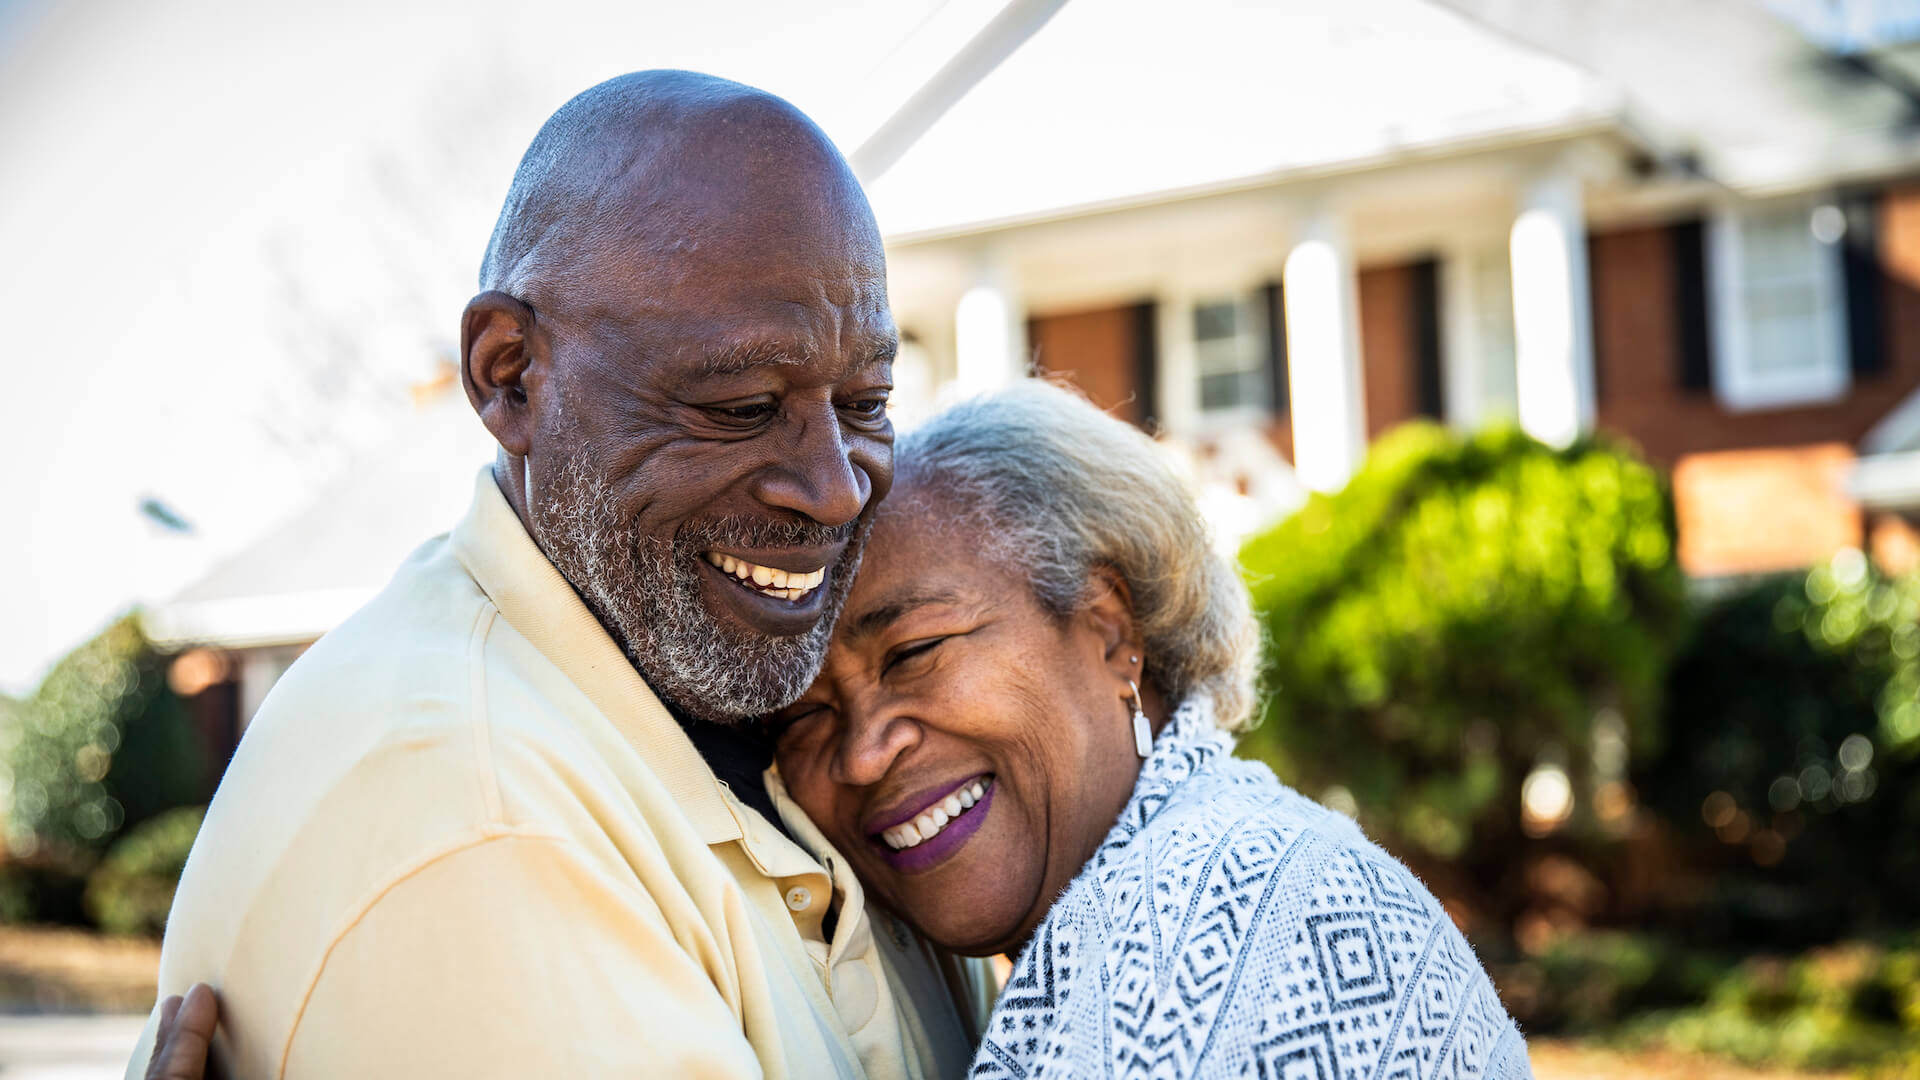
x=1230, y=352
x=1780, y=332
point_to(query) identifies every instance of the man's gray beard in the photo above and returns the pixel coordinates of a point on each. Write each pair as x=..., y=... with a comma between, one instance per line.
x=647, y=593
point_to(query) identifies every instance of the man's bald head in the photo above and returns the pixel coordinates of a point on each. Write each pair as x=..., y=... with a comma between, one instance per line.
x=683, y=346
x=655, y=162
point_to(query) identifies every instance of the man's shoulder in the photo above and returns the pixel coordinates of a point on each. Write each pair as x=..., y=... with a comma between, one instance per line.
x=416, y=630
x=374, y=751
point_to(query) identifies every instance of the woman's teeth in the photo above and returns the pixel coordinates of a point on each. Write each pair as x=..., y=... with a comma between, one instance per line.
x=934, y=818
x=784, y=584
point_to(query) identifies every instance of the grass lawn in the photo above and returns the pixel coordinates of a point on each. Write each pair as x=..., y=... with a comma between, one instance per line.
x=1560, y=1059
x=55, y=969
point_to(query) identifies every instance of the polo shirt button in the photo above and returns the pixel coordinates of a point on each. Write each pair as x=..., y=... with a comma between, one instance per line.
x=799, y=898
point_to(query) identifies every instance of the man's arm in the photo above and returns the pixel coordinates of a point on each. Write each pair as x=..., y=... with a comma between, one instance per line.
x=513, y=957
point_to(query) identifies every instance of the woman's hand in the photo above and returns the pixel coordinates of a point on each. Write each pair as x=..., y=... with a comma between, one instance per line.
x=186, y=1034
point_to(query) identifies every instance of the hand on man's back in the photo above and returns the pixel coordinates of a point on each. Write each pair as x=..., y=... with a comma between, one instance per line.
x=185, y=1036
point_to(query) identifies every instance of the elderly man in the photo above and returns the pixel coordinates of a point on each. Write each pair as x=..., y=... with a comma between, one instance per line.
x=497, y=824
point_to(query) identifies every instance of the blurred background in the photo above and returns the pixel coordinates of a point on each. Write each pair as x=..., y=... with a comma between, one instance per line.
x=1552, y=366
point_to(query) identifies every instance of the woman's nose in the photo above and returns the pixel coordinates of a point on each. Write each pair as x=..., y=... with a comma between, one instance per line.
x=870, y=743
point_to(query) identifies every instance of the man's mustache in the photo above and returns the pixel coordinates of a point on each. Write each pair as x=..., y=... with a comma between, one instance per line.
x=737, y=530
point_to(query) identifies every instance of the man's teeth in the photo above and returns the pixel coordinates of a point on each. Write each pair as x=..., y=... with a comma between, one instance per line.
x=934, y=818
x=785, y=584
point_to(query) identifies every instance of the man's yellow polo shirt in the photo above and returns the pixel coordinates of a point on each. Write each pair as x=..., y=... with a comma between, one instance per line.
x=463, y=838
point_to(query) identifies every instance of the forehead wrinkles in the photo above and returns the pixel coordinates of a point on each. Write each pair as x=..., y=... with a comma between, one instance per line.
x=674, y=264
x=701, y=341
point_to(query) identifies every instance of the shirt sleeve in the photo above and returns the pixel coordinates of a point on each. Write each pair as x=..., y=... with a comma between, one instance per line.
x=514, y=957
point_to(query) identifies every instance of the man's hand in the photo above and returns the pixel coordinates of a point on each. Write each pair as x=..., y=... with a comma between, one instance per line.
x=186, y=1033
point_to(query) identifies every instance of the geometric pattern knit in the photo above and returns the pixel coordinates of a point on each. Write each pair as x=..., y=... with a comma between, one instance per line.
x=1229, y=926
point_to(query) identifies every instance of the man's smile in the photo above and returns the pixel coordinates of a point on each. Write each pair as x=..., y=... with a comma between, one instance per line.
x=776, y=591
x=790, y=585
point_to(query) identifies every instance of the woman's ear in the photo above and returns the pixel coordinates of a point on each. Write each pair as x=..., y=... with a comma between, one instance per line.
x=495, y=359
x=1109, y=613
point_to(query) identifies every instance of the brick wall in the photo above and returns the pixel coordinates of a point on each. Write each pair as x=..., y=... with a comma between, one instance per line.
x=1387, y=363
x=1637, y=369
x=1758, y=490
x=1751, y=511
x=1096, y=350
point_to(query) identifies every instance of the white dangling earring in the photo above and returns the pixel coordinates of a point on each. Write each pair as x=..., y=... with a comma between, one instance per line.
x=1142, y=731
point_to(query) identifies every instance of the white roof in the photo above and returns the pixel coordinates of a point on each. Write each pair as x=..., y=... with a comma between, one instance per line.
x=314, y=569
x=1763, y=107
x=1886, y=481
x=1119, y=101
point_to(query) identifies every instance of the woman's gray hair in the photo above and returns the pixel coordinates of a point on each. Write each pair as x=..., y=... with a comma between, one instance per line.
x=1060, y=488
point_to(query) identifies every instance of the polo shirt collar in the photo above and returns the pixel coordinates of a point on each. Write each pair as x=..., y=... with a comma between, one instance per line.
x=532, y=596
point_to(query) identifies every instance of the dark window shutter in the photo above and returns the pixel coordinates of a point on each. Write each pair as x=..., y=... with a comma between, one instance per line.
x=1865, y=282
x=1424, y=318
x=1276, y=301
x=1596, y=316
x=1146, y=365
x=1692, y=325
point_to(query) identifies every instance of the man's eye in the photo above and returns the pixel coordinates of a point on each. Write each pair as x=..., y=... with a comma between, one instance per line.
x=745, y=414
x=869, y=408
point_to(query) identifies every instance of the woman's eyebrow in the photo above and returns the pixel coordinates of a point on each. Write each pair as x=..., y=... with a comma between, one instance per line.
x=878, y=618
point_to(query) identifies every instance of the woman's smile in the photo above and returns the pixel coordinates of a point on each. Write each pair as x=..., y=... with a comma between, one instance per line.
x=934, y=834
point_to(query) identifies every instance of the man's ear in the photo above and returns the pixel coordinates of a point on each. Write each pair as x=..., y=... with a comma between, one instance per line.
x=495, y=358
x=1109, y=613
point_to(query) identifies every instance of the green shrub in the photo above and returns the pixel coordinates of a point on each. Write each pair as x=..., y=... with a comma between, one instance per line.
x=131, y=891
x=1853, y=1004
x=1843, y=1005
x=102, y=744
x=1788, y=768
x=1591, y=982
x=1462, y=609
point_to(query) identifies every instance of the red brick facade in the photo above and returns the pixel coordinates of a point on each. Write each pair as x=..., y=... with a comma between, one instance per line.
x=1096, y=350
x=1387, y=361
x=1756, y=490
x=1636, y=368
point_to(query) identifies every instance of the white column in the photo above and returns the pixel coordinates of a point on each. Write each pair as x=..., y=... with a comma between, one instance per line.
x=1552, y=320
x=1177, y=386
x=1463, y=354
x=1323, y=357
x=989, y=334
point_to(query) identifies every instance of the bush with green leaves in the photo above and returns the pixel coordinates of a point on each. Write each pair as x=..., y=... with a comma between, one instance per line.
x=1851, y=609
x=131, y=891
x=1464, y=608
x=1852, y=1003
x=1848, y=1004
x=101, y=745
x=1792, y=764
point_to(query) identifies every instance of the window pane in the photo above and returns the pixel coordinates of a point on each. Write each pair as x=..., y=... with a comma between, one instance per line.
x=1214, y=321
x=1243, y=389
x=1780, y=280
x=1222, y=356
x=1230, y=353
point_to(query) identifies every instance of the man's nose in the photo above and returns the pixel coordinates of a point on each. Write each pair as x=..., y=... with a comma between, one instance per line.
x=815, y=475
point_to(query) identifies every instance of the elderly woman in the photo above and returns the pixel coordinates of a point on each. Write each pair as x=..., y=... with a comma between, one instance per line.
x=1022, y=740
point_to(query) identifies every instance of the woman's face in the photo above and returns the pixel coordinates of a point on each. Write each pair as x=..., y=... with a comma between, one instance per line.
x=965, y=748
